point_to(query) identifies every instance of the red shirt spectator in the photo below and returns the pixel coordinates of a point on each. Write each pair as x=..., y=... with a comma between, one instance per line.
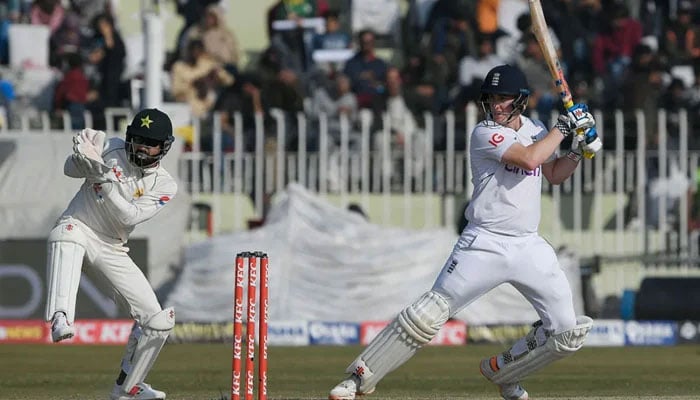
x=73, y=88
x=619, y=41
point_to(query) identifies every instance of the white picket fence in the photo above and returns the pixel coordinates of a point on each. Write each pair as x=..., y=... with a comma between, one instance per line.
x=591, y=213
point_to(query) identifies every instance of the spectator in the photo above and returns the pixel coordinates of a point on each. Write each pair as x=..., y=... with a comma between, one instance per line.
x=674, y=99
x=87, y=10
x=9, y=14
x=67, y=39
x=366, y=72
x=450, y=41
x=47, y=12
x=544, y=98
x=288, y=43
x=198, y=79
x=295, y=9
x=487, y=16
x=333, y=38
x=333, y=103
x=333, y=44
x=418, y=86
x=192, y=11
x=681, y=42
x=587, y=19
x=613, y=48
x=641, y=90
x=71, y=93
x=7, y=99
x=404, y=130
x=219, y=41
x=108, y=54
x=472, y=69
x=242, y=97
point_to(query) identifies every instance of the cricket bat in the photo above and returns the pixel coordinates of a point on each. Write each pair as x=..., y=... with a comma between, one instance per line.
x=539, y=28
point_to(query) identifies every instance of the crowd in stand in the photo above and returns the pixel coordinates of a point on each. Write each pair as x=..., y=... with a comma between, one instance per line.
x=422, y=56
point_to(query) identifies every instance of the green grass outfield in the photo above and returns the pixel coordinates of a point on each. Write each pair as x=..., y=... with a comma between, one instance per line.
x=203, y=371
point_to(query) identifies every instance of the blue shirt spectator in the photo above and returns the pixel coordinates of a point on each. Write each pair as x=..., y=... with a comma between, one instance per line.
x=333, y=38
x=366, y=72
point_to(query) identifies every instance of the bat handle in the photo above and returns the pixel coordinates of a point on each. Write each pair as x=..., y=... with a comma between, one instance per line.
x=587, y=154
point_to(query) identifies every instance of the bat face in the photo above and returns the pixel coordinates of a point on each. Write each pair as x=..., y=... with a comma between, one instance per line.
x=539, y=28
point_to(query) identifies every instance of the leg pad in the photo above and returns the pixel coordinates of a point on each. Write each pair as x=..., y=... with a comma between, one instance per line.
x=536, y=350
x=154, y=333
x=414, y=327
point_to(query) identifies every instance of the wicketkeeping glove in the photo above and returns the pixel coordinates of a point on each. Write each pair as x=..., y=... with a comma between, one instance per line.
x=89, y=143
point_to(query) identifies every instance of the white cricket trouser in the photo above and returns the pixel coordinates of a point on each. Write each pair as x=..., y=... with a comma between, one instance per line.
x=69, y=242
x=481, y=260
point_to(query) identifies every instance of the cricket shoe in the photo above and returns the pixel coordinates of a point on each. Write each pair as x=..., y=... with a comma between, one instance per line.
x=513, y=391
x=348, y=389
x=60, y=328
x=140, y=391
x=509, y=391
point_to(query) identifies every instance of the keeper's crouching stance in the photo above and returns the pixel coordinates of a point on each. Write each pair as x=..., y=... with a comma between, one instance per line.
x=509, y=155
x=124, y=184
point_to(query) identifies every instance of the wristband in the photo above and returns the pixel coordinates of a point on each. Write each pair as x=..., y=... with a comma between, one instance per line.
x=573, y=156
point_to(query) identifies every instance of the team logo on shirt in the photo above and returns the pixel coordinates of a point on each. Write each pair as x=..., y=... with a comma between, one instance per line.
x=118, y=172
x=496, y=139
x=520, y=171
x=452, y=266
x=162, y=200
x=97, y=188
x=138, y=193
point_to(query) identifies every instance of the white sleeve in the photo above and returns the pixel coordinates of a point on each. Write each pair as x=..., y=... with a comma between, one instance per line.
x=145, y=207
x=544, y=132
x=492, y=142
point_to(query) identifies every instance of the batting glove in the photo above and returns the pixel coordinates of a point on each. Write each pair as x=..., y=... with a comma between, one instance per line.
x=591, y=143
x=580, y=117
x=565, y=125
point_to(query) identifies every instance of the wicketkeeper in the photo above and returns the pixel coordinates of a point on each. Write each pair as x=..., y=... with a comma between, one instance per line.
x=509, y=153
x=124, y=185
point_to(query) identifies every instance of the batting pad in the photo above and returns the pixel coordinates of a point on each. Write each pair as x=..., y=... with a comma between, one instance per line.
x=65, y=262
x=415, y=326
x=539, y=353
x=134, y=337
x=148, y=345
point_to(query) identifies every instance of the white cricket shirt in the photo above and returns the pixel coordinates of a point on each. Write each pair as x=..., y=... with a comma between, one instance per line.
x=506, y=198
x=112, y=210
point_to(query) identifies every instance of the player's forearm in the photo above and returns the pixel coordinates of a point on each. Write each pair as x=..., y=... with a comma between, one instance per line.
x=562, y=169
x=540, y=151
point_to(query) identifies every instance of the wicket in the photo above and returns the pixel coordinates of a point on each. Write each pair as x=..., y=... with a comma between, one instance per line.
x=254, y=259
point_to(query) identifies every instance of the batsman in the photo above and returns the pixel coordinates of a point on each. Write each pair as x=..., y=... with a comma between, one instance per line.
x=124, y=184
x=509, y=154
